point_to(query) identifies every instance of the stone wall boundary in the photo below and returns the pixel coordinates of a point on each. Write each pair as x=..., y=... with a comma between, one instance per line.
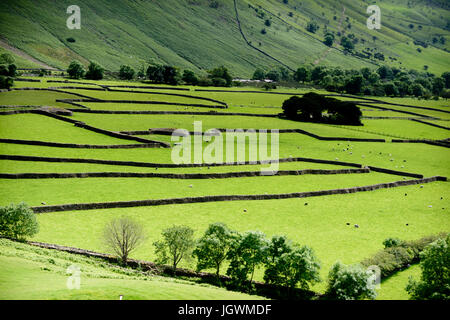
x=239, y=174
x=204, y=199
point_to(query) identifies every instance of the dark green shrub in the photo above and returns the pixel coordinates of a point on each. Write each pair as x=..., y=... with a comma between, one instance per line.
x=95, y=71
x=219, y=82
x=189, y=77
x=126, y=72
x=435, y=279
x=259, y=74
x=12, y=70
x=6, y=82
x=17, y=221
x=349, y=283
x=205, y=82
x=329, y=39
x=6, y=58
x=302, y=74
x=75, y=70
x=312, y=27
x=391, y=89
x=220, y=73
x=398, y=254
x=269, y=86
x=214, y=4
x=347, y=44
x=392, y=242
x=354, y=84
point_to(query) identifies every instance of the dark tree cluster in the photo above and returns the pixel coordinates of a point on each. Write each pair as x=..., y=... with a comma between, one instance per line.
x=217, y=77
x=285, y=263
x=126, y=72
x=313, y=107
x=76, y=71
x=163, y=74
x=7, y=71
x=276, y=74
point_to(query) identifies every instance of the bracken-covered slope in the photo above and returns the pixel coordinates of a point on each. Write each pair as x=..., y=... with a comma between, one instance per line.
x=201, y=34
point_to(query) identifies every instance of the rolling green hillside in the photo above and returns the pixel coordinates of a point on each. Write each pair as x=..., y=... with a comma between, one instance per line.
x=201, y=34
x=34, y=273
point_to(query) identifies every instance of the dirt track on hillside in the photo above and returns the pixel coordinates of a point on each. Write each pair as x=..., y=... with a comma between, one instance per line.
x=24, y=55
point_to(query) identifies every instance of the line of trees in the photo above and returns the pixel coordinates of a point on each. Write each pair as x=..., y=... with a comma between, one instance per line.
x=166, y=74
x=285, y=263
x=384, y=81
x=94, y=72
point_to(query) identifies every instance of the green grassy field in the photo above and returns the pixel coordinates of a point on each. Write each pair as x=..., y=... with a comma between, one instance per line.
x=60, y=191
x=393, y=288
x=40, y=274
x=185, y=33
x=402, y=212
x=321, y=224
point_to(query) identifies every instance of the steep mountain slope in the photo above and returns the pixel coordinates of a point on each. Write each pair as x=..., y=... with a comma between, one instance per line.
x=200, y=34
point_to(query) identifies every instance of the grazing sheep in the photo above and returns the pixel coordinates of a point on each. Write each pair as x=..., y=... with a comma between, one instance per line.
x=430, y=206
x=356, y=225
x=306, y=203
x=421, y=186
x=43, y=203
x=348, y=223
x=245, y=210
x=190, y=186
